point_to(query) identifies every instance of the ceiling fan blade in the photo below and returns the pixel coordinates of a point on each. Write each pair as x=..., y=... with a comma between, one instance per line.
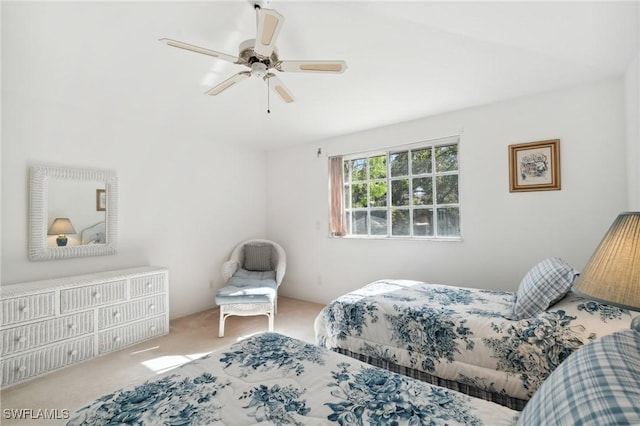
x=276, y=85
x=201, y=50
x=269, y=24
x=232, y=81
x=330, y=67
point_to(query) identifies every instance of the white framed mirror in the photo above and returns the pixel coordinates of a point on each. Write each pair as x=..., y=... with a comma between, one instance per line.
x=73, y=212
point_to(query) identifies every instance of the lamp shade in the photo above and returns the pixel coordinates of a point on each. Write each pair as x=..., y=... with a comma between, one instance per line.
x=61, y=226
x=612, y=275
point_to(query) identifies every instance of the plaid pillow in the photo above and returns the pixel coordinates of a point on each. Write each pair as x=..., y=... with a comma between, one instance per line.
x=257, y=257
x=597, y=385
x=544, y=285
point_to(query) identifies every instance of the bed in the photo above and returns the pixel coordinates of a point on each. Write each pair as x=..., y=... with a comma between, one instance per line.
x=95, y=234
x=273, y=379
x=495, y=345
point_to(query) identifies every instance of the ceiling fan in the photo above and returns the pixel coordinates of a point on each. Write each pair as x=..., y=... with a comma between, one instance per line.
x=261, y=56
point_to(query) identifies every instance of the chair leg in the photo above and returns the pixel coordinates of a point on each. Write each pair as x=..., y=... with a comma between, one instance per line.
x=271, y=315
x=222, y=320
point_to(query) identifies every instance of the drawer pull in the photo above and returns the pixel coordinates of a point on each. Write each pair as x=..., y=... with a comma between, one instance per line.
x=22, y=369
x=97, y=295
x=149, y=284
x=116, y=314
x=116, y=339
x=72, y=326
x=152, y=328
x=24, y=309
x=21, y=339
x=152, y=307
x=73, y=352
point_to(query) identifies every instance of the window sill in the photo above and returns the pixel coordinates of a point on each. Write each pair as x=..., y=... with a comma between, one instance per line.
x=382, y=237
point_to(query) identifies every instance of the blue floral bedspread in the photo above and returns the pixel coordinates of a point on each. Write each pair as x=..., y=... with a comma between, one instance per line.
x=459, y=334
x=277, y=380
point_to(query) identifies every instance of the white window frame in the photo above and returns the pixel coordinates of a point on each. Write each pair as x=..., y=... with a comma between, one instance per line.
x=388, y=152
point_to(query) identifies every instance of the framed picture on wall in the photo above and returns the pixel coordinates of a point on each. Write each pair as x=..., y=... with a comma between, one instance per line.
x=101, y=200
x=534, y=166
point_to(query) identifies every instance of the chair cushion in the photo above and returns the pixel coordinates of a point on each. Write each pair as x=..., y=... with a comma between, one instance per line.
x=248, y=287
x=230, y=294
x=257, y=257
x=244, y=278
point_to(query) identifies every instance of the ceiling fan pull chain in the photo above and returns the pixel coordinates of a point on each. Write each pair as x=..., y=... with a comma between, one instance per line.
x=268, y=97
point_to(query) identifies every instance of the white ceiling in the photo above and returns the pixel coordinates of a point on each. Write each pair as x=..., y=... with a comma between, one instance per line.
x=405, y=60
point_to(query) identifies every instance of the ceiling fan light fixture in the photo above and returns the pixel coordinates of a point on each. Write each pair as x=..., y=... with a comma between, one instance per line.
x=258, y=69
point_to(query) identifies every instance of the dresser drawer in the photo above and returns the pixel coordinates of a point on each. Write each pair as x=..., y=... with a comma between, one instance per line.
x=120, y=337
x=18, y=339
x=22, y=367
x=110, y=316
x=28, y=307
x=150, y=284
x=81, y=298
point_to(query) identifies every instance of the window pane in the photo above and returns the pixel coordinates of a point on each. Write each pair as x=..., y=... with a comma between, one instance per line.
x=400, y=192
x=347, y=196
x=360, y=225
x=358, y=195
x=400, y=222
x=447, y=158
x=348, y=222
x=359, y=169
x=378, y=167
x=378, y=194
x=399, y=163
x=449, y=222
x=421, y=161
x=447, y=189
x=378, y=222
x=423, y=222
x=422, y=191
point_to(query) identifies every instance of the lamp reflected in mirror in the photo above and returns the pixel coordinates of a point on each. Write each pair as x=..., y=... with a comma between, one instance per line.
x=61, y=226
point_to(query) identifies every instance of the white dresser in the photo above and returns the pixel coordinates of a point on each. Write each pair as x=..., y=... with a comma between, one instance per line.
x=50, y=324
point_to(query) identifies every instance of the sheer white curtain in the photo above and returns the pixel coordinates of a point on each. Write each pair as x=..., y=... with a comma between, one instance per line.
x=337, y=225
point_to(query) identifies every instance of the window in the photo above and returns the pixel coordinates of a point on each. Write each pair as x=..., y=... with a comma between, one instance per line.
x=405, y=192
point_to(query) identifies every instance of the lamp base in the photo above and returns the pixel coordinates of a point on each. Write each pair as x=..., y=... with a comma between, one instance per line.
x=61, y=241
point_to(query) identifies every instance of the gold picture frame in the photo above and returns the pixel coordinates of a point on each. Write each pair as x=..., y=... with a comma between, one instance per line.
x=101, y=200
x=534, y=166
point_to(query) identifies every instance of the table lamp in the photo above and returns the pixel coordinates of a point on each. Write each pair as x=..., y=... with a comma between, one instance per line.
x=612, y=275
x=60, y=227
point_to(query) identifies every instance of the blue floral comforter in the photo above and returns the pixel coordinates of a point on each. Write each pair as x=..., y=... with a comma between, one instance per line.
x=277, y=380
x=459, y=334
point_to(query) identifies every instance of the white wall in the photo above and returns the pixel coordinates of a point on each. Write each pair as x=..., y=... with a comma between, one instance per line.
x=184, y=201
x=632, y=104
x=504, y=233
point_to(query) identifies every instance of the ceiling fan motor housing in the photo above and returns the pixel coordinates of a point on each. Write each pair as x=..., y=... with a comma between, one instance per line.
x=248, y=55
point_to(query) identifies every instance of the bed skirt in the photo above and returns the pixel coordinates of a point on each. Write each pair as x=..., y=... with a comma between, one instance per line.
x=507, y=401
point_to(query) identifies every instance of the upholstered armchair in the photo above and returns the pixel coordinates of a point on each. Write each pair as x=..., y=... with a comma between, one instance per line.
x=252, y=276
